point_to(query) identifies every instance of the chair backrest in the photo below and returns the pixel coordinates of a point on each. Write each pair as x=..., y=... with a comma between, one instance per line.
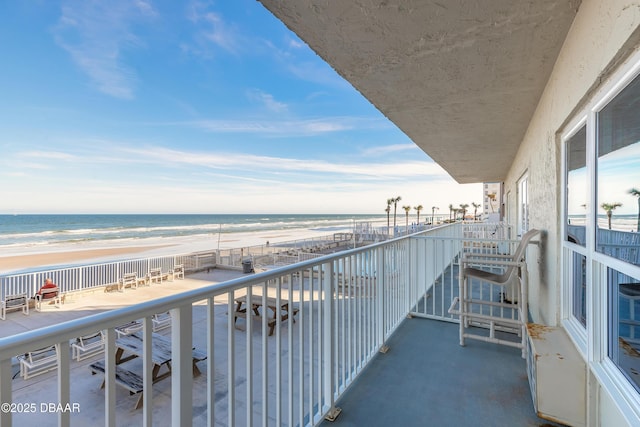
x=48, y=293
x=519, y=254
x=521, y=250
x=512, y=270
x=86, y=339
x=43, y=353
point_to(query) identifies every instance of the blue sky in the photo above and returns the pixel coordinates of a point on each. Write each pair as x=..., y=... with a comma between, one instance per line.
x=191, y=107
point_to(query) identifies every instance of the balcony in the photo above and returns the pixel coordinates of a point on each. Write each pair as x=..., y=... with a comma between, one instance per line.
x=347, y=308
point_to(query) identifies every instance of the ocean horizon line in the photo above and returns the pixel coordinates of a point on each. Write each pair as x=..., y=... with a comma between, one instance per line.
x=54, y=229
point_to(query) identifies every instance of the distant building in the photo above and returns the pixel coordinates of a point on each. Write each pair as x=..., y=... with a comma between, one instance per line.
x=492, y=201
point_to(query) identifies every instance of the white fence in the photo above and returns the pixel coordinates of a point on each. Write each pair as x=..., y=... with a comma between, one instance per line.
x=83, y=277
x=345, y=307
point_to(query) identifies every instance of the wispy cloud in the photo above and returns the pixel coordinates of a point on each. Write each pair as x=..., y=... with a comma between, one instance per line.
x=48, y=155
x=267, y=100
x=292, y=128
x=243, y=161
x=210, y=30
x=295, y=44
x=95, y=33
x=312, y=71
x=387, y=149
x=118, y=153
x=294, y=59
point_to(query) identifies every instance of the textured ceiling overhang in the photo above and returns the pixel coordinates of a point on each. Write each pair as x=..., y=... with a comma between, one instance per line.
x=461, y=78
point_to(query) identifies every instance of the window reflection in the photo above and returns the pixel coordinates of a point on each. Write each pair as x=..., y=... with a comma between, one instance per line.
x=579, y=287
x=618, y=176
x=624, y=324
x=577, y=187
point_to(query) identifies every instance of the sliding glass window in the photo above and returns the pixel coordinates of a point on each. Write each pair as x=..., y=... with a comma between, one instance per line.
x=576, y=195
x=618, y=176
x=617, y=221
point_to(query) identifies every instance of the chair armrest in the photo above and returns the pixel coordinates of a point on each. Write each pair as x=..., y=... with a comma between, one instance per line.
x=481, y=256
x=497, y=262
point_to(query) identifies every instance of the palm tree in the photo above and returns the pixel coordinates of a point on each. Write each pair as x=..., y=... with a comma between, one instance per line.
x=636, y=192
x=475, y=210
x=450, y=211
x=395, y=209
x=609, y=208
x=406, y=223
x=463, y=208
x=388, y=211
x=492, y=198
x=455, y=213
x=433, y=210
x=418, y=209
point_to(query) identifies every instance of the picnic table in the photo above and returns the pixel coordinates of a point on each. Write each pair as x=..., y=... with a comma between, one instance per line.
x=256, y=304
x=129, y=347
x=160, y=352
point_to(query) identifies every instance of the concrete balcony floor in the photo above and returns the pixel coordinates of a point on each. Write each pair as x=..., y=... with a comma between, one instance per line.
x=427, y=379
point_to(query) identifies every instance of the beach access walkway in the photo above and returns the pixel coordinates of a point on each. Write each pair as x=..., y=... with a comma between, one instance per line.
x=86, y=303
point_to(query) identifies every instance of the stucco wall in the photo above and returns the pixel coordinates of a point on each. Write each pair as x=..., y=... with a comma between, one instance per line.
x=604, y=34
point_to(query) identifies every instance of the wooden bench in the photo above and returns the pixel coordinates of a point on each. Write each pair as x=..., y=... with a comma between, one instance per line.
x=87, y=346
x=130, y=280
x=156, y=275
x=198, y=356
x=14, y=302
x=124, y=378
x=160, y=353
x=177, y=272
x=256, y=303
x=161, y=321
x=48, y=295
x=38, y=362
x=128, y=328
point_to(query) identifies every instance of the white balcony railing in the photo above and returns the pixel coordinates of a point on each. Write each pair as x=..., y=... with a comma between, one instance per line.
x=347, y=306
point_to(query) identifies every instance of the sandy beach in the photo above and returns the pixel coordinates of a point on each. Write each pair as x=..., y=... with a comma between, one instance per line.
x=18, y=258
x=14, y=262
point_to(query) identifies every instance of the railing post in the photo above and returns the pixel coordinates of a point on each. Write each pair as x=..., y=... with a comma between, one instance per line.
x=181, y=366
x=5, y=392
x=231, y=362
x=211, y=398
x=328, y=337
x=64, y=417
x=147, y=378
x=381, y=282
x=249, y=354
x=110, y=378
x=410, y=277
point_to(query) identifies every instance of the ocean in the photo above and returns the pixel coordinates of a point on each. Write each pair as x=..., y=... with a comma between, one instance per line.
x=624, y=222
x=43, y=230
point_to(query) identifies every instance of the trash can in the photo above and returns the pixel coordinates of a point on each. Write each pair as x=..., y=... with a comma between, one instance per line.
x=247, y=266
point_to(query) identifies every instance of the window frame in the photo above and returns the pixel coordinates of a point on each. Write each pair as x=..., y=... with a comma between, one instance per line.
x=576, y=329
x=593, y=341
x=523, y=204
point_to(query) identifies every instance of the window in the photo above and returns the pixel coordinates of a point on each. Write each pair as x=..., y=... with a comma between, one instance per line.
x=601, y=242
x=576, y=196
x=523, y=205
x=617, y=221
x=618, y=176
x=624, y=324
x=577, y=189
x=508, y=209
